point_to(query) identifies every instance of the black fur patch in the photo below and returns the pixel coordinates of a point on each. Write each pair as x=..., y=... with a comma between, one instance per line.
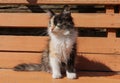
x=65, y=21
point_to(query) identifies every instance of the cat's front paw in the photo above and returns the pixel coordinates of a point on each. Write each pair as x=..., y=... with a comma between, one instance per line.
x=56, y=76
x=71, y=75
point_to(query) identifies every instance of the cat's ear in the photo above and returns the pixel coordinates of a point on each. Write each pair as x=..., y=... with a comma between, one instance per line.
x=66, y=10
x=50, y=13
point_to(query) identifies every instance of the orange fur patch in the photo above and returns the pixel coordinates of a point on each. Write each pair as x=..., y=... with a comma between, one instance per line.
x=52, y=50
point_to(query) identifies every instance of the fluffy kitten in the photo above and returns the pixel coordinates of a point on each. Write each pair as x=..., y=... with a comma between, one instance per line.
x=61, y=49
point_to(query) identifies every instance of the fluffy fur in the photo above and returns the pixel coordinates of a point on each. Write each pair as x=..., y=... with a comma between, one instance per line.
x=61, y=49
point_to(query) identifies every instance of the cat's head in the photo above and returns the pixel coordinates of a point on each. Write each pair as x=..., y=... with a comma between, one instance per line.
x=62, y=23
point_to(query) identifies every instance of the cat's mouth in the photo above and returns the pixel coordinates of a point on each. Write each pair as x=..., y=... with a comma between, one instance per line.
x=67, y=33
x=61, y=32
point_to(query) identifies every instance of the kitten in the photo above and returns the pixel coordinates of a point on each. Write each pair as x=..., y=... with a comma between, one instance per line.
x=61, y=49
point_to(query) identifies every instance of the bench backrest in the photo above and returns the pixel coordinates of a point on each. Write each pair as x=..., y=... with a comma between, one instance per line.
x=94, y=53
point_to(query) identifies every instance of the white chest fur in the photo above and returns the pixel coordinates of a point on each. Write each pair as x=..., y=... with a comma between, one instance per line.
x=63, y=45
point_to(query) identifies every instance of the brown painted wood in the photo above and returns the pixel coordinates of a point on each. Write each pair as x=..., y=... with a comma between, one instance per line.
x=41, y=20
x=98, y=45
x=109, y=9
x=59, y=2
x=10, y=59
x=9, y=76
x=94, y=62
x=96, y=20
x=111, y=32
x=23, y=20
x=98, y=62
x=22, y=49
x=96, y=54
x=23, y=43
x=96, y=51
x=38, y=44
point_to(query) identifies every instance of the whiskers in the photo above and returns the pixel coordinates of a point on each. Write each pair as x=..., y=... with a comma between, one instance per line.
x=41, y=32
x=45, y=33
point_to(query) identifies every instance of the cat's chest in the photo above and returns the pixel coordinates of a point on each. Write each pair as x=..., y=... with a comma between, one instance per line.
x=62, y=45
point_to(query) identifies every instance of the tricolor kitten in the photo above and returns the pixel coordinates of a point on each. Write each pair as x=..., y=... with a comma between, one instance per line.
x=61, y=49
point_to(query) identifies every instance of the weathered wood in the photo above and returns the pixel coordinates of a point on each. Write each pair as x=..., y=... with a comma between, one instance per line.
x=11, y=59
x=41, y=20
x=60, y=2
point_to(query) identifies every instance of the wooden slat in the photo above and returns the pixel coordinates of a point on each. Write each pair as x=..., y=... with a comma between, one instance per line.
x=23, y=20
x=26, y=49
x=110, y=9
x=97, y=20
x=38, y=44
x=98, y=62
x=10, y=59
x=41, y=20
x=23, y=43
x=111, y=32
x=98, y=45
x=60, y=2
x=21, y=49
x=9, y=76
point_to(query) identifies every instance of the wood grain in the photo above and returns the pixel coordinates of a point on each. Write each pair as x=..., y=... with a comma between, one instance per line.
x=10, y=59
x=27, y=49
x=23, y=43
x=60, y=2
x=41, y=20
x=9, y=76
x=98, y=45
x=36, y=44
x=94, y=62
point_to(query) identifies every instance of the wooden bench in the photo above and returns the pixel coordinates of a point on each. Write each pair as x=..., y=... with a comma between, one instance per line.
x=93, y=53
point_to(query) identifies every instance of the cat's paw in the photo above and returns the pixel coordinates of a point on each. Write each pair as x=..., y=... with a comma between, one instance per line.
x=71, y=75
x=56, y=76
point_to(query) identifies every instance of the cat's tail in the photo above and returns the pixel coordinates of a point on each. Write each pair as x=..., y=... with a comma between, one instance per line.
x=44, y=66
x=28, y=67
x=32, y=67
